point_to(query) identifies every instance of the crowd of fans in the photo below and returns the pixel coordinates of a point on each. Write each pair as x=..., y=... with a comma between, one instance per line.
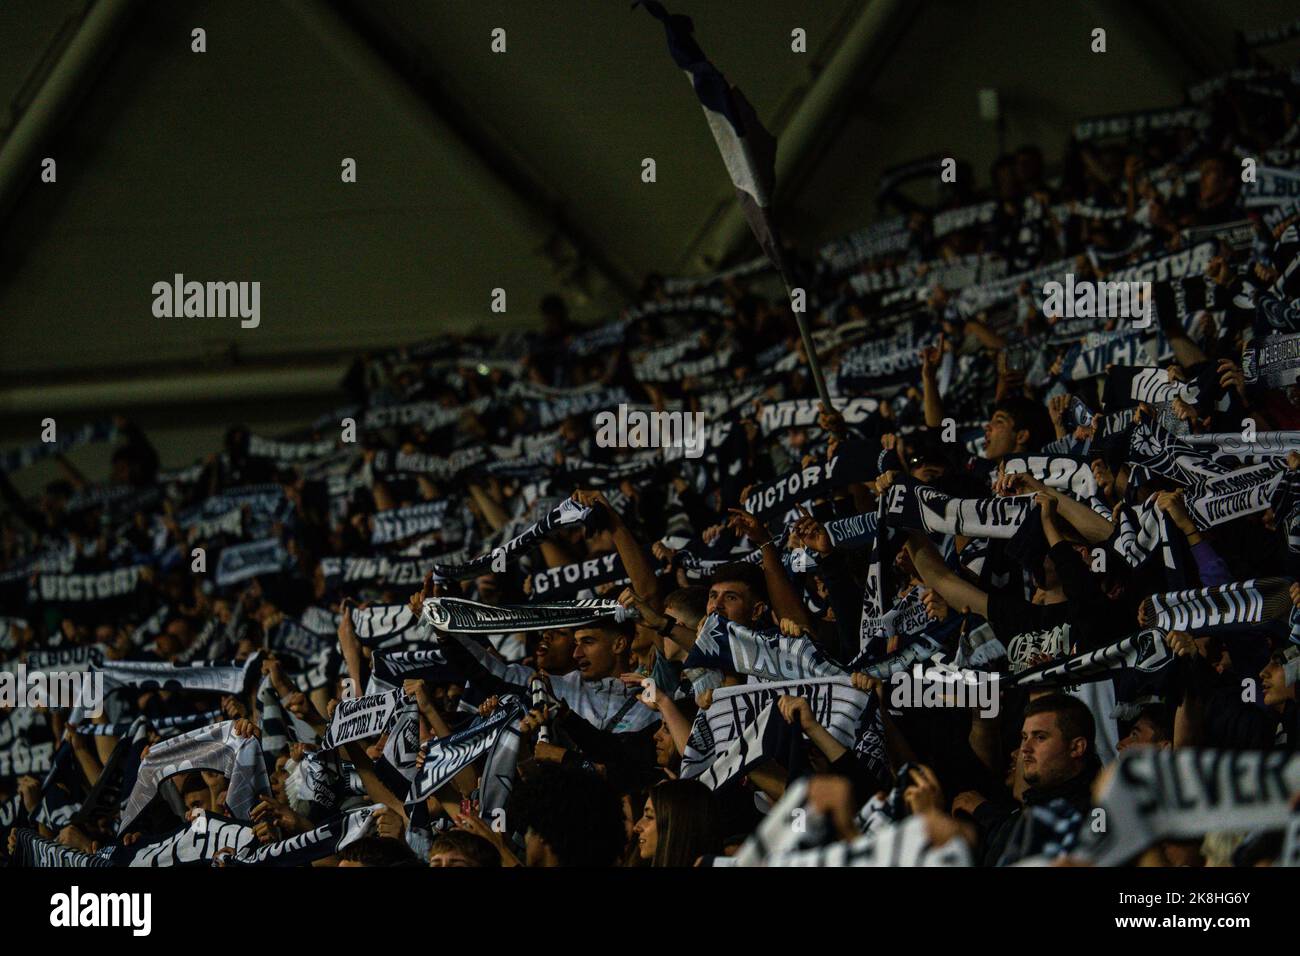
x=322, y=558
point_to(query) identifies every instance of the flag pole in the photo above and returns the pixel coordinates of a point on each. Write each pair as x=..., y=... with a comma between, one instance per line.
x=810, y=350
x=748, y=151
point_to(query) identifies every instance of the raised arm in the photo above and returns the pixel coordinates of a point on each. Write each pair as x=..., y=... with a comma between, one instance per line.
x=786, y=602
x=639, y=570
x=952, y=587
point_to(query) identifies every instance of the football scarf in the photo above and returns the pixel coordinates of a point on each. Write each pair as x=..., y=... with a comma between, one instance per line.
x=906, y=616
x=215, y=748
x=379, y=571
x=391, y=668
x=979, y=649
x=902, y=844
x=266, y=501
x=880, y=238
x=1127, y=386
x=569, y=579
x=429, y=415
x=305, y=848
x=1144, y=533
x=1072, y=473
x=804, y=413
x=318, y=779
x=447, y=756
x=20, y=458
x=768, y=655
x=1272, y=362
x=1144, y=652
x=1274, y=313
x=1236, y=494
x=1153, y=448
x=775, y=843
x=878, y=594
x=75, y=588
x=241, y=562
x=198, y=677
x=418, y=463
x=1185, y=793
x=290, y=452
x=356, y=718
x=75, y=659
x=290, y=637
x=198, y=843
x=1217, y=494
x=34, y=850
x=403, y=743
x=1266, y=446
x=1290, y=856
x=548, y=414
x=1272, y=187
x=766, y=735
x=1188, y=261
x=912, y=505
x=870, y=362
x=277, y=730
x=852, y=463
x=399, y=523
x=567, y=512
x=1226, y=606
x=498, y=778
x=459, y=616
x=1099, y=350
x=852, y=533
x=836, y=704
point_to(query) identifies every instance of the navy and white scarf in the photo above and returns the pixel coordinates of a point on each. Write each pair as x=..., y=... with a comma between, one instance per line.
x=852, y=463
x=303, y=849
x=569, y=579
x=399, y=523
x=567, y=512
x=215, y=748
x=92, y=586
x=768, y=655
x=241, y=562
x=447, y=756
x=1144, y=652
x=836, y=704
x=356, y=718
x=1225, y=606
x=1185, y=793
x=459, y=616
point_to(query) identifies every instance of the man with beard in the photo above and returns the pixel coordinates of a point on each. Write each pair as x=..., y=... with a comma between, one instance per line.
x=1058, y=761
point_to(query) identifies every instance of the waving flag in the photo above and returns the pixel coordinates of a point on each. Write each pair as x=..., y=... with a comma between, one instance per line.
x=748, y=149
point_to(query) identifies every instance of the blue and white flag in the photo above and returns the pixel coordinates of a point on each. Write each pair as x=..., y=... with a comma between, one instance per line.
x=748, y=150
